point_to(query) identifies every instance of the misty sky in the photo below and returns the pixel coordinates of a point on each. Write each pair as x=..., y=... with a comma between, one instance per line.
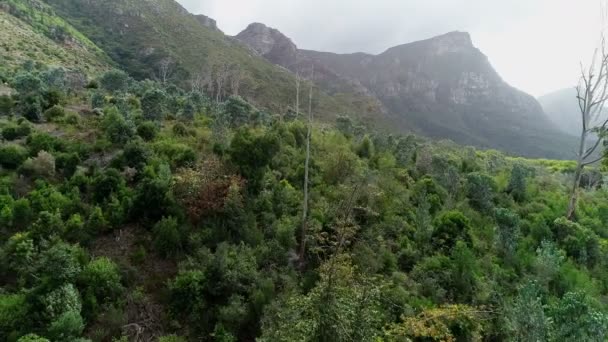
x=536, y=45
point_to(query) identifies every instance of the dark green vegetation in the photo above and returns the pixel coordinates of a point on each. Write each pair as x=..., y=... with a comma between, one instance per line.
x=160, y=40
x=139, y=210
x=159, y=212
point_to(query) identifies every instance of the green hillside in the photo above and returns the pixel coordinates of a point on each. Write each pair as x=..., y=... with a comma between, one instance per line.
x=138, y=35
x=30, y=30
x=136, y=210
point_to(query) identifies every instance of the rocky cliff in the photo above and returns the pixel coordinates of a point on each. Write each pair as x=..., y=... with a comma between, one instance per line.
x=442, y=87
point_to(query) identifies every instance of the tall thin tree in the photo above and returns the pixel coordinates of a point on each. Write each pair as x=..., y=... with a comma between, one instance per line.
x=592, y=94
x=298, y=81
x=304, y=231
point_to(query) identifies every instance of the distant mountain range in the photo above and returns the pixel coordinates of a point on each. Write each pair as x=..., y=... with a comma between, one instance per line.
x=442, y=87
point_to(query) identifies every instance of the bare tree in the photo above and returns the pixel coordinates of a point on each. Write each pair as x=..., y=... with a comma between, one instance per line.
x=236, y=76
x=298, y=81
x=303, y=233
x=203, y=82
x=165, y=69
x=221, y=73
x=592, y=96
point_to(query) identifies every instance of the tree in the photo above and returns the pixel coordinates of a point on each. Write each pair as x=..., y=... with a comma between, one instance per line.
x=6, y=105
x=153, y=104
x=118, y=129
x=507, y=232
x=238, y=111
x=235, y=76
x=166, y=67
x=304, y=229
x=525, y=315
x=447, y=323
x=592, y=94
x=450, y=228
x=517, y=183
x=114, y=81
x=12, y=156
x=480, y=191
x=167, y=238
x=576, y=319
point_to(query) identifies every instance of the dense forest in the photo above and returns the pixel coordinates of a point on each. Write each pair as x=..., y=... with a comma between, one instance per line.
x=138, y=211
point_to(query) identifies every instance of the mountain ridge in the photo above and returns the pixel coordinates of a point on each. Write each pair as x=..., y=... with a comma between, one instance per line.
x=442, y=87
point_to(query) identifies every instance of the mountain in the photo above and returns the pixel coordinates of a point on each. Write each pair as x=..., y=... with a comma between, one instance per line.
x=562, y=108
x=140, y=34
x=31, y=31
x=441, y=87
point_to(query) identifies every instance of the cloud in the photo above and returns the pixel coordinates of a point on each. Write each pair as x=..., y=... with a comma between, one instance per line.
x=536, y=45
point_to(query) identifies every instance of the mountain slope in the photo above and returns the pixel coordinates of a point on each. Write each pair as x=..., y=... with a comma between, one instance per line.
x=562, y=108
x=139, y=34
x=30, y=30
x=442, y=87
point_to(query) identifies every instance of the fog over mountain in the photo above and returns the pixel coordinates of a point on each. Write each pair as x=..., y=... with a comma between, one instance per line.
x=509, y=32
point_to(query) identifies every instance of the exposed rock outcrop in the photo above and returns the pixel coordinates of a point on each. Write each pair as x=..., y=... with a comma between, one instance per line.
x=442, y=87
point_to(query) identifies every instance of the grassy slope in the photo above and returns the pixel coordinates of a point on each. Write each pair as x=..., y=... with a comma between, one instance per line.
x=138, y=33
x=25, y=34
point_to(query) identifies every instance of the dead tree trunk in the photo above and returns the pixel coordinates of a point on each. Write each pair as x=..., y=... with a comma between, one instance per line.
x=297, y=94
x=592, y=96
x=302, y=253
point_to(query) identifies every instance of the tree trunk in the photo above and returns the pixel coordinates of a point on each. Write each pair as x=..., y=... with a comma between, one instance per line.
x=302, y=252
x=580, y=165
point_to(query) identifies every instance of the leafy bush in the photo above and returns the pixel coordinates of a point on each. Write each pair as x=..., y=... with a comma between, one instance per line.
x=114, y=81
x=13, y=132
x=12, y=156
x=67, y=327
x=167, y=237
x=13, y=313
x=37, y=142
x=480, y=191
x=118, y=129
x=54, y=113
x=101, y=279
x=42, y=165
x=32, y=338
x=6, y=105
x=147, y=130
x=450, y=228
x=153, y=104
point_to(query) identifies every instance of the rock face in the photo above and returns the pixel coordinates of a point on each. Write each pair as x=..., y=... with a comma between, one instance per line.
x=207, y=22
x=442, y=87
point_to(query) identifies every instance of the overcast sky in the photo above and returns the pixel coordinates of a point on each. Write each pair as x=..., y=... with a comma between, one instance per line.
x=536, y=45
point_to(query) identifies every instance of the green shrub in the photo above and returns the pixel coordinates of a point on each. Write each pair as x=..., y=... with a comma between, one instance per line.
x=153, y=104
x=13, y=132
x=147, y=130
x=42, y=165
x=13, y=313
x=12, y=156
x=171, y=338
x=118, y=129
x=6, y=105
x=32, y=338
x=450, y=228
x=101, y=278
x=67, y=327
x=37, y=142
x=54, y=113
x=114, y=81
x=167, y=238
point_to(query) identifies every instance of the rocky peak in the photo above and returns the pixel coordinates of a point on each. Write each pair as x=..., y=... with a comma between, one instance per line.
x=269, y=42
x=207, y=22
